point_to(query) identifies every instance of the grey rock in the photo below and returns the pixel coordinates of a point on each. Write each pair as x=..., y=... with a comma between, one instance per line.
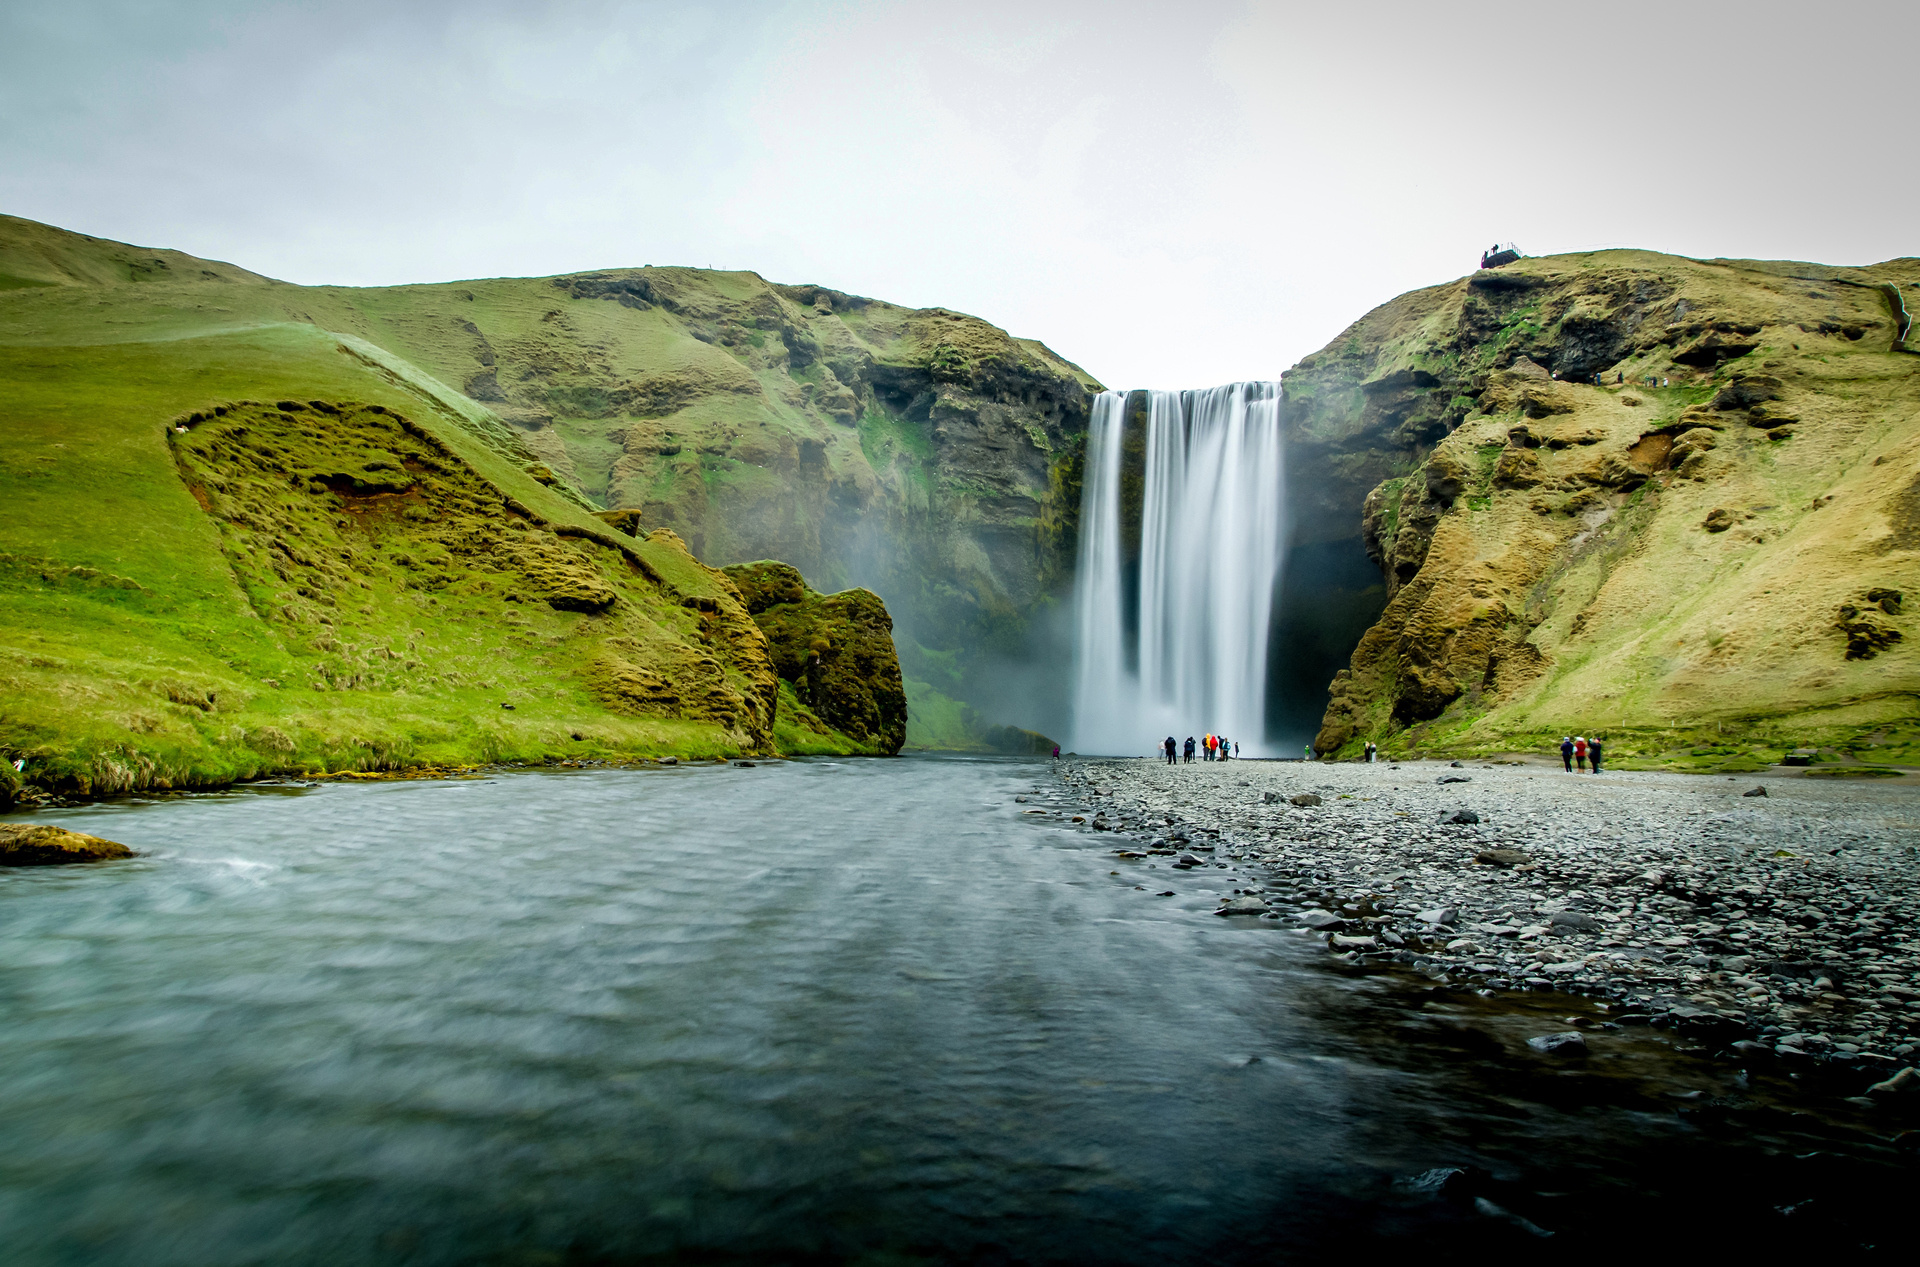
x=1305, y=800
x=1759, y=791
x=1454, y=778
x=1460, y=817
x=1905, y=1083
x=1503, y=857
x=1570, y=1043
x=1318, y=918
x=1440, y=915
x=1242, y=906
x=1579, y=921
x=1269, y=798
x=1339, y=942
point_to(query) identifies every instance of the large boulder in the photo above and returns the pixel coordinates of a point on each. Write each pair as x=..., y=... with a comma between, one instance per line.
x=39, y=845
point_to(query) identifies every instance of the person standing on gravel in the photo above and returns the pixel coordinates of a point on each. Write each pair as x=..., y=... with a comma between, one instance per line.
x=1593, y=754
x=1566, y=751
x=1580, y=752
x=1189, y=749
x=1167, y=748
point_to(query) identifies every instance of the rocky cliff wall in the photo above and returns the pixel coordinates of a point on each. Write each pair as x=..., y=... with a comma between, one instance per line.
x=1625, y=492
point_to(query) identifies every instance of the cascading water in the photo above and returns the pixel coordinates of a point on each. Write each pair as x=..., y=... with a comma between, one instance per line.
x=1172, y=636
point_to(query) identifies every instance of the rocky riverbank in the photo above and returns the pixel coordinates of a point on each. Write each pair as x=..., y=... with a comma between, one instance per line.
x=1784, y=919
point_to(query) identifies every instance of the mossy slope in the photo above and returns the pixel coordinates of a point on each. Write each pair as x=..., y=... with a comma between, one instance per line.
x=148, y=642
x=1706, y=558
x=923, y=454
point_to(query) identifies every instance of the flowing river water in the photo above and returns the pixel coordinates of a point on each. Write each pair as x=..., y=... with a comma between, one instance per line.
x=810, y=1011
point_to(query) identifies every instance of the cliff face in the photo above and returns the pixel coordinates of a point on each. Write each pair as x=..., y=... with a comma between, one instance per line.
x=1713, y=538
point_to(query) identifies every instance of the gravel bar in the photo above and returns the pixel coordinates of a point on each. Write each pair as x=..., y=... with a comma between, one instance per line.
x=1687, y=900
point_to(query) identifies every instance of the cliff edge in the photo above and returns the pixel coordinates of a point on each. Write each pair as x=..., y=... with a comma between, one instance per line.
x=1677, y=501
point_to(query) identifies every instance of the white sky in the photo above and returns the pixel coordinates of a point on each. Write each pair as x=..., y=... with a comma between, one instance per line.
x=1172, y=195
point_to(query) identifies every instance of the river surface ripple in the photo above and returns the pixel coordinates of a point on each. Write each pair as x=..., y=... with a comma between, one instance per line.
x=809, y=1011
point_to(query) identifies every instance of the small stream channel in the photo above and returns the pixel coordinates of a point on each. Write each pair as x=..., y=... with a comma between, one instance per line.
x=808, y=1011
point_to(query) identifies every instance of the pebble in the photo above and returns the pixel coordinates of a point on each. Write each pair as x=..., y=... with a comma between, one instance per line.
x=1788, y=918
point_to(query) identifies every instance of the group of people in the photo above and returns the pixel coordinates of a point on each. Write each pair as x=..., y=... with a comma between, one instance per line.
x=1211, y=747
x=1578, y=750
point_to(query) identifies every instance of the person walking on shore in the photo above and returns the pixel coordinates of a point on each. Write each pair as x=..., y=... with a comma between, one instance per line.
x=1566, y=752
x=1580, y=752
x=1593, y=753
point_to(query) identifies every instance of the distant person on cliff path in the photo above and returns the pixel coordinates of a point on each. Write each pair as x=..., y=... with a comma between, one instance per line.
x=1593, y=753
x=1580, y=752
x=1566, y=751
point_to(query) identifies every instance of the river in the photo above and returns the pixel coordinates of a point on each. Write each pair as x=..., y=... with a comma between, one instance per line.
x=808, y=1011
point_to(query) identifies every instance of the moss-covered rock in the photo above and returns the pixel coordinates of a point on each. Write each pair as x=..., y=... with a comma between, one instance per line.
x=39, y=845
x=836, y=651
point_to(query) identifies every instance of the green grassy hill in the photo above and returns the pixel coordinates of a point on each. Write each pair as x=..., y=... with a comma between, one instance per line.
x=922, y=454
x=365, y=569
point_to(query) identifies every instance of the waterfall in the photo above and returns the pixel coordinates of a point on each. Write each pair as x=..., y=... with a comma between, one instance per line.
x=1173, y=614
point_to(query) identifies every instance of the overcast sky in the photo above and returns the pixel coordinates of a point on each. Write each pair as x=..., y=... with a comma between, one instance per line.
x=1172, y=195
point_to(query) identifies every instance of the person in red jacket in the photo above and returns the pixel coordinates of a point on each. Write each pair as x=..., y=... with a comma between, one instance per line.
x=1580, y=752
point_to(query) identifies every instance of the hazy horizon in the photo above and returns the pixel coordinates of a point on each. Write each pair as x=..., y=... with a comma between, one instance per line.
x=1167, y=198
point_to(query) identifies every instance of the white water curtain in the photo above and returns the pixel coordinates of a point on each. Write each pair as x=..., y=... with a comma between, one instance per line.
x=1211, y=523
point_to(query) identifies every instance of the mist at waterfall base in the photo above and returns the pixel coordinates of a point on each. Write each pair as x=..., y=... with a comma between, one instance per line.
x=1182, y=545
